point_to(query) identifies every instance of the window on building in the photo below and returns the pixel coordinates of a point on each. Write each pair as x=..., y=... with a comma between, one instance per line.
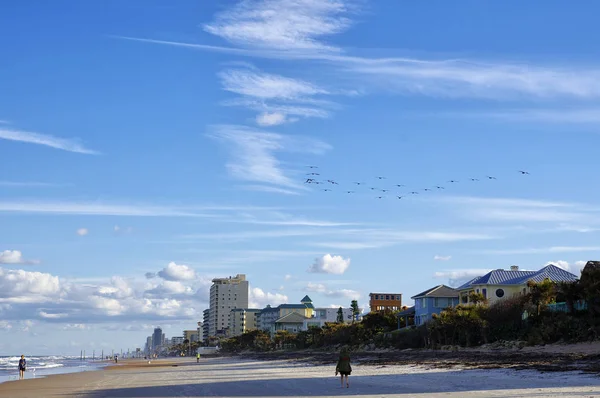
x=484, y=292
x=424, y=303
x=499, y=293
x=387, y=296
x=397, y=297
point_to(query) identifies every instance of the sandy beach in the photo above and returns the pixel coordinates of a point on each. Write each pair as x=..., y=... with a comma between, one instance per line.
x=238, y=377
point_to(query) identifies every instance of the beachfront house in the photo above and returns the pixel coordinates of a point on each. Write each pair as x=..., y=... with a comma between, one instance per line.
x=501, y=284
x=292, y=322
x=268, y=318
x=433, y=301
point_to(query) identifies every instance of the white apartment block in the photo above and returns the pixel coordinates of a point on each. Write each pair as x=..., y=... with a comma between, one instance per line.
x=226, y=294
x=242, y=320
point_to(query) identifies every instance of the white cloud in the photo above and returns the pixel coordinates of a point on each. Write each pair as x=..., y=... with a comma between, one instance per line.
x=284, y=25
x=253, y=153
x=510, y=209
x=26, y=184
x=114, y=209
x=174, y=272
x=460, y=276
x=257, y=298
x=541, y=250
x=442, y=258
x=340, y=293
x=586, y=115
x=266, y=119
x=267, y=86
x=287, y=277
x=14, y=257
x=18, y=286
x=46, y=140
x=574, y=268
x=329, y=264
x=82, y=231
x=266, y=188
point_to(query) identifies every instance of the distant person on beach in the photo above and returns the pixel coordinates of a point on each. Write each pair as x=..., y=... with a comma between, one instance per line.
x=197, y=357
x=116, y=358
x=343, y=367
x=22, y=367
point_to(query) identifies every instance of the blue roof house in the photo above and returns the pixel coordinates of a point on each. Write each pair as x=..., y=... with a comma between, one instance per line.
x=500, y=284
x=433, y=301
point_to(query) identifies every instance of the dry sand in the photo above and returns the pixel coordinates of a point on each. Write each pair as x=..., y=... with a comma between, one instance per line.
x=235, y=377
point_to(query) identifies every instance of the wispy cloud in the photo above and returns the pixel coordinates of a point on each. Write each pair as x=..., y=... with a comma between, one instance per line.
x=109, y=209
x=582, y=116
x=522, y=210
x=459, y=276
x=441, y=258
x=376, y=238
x=46, y=140
x=542, y=250
x=284, y=25
x=253, y=153
x=27, y=184
x=279, y=99
x=340, y=293
x=269, y=189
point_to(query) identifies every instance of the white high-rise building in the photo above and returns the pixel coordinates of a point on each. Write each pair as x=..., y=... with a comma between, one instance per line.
x=225, y=295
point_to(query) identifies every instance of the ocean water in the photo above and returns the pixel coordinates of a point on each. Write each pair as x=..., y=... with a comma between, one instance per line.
x=45, y=365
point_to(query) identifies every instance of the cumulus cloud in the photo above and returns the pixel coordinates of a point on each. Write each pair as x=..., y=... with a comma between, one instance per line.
x=82, y=231
x=442, y=258
x=19, y=286
x=574, y=268
x=339, y=293
x=258, y=298
x=174, y=272
x=329, y=264
x=14, y=257
x=287, y=277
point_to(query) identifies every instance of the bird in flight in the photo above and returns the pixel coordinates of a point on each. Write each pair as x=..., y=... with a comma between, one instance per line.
x=523, y=172
x=414, y=193
x=309, y=181
x=372, y=189
x=426, y=189
x=312, y=167
x=380, y=197
x=491, y=178
x=313, y=174
x=333, y=182
x=400, y=185
x=359, y=183
x=452, y=181
x=438, y=187
x=381, y=178
x=399, y=197
x=474, y=179
x=326, y=189
x=384, y=190
x=349, y=191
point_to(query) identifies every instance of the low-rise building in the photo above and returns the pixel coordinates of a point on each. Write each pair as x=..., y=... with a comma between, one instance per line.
x=269, y=316
x=433, y=301
x=380, y=302
x=321, y=316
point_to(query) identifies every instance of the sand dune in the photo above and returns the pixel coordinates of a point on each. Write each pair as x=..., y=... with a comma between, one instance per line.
x=226, y=377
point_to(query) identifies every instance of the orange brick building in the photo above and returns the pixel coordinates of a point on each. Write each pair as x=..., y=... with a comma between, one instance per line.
x=380, y=302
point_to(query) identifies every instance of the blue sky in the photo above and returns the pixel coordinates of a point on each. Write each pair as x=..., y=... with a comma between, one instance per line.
x=148, y=147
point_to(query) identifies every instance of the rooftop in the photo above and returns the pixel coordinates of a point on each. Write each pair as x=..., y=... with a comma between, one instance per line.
x=438, y=291
x=506, y=277
x=292, y=317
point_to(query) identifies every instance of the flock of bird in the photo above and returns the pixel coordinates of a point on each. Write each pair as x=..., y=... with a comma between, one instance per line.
x=314, y=177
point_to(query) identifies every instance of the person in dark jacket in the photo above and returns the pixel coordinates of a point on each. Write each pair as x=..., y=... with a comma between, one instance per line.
x=22, y=367
x=343, y=367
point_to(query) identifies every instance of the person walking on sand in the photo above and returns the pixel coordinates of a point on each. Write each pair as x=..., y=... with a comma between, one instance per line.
x=343, y=367
x=22, y=367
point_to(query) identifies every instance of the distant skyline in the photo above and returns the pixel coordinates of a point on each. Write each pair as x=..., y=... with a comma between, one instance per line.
x=150, y=146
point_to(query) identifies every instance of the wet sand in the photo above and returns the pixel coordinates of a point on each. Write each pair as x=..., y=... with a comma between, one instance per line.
x=239, y=377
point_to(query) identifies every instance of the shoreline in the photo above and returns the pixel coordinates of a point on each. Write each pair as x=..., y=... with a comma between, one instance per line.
x=222, y=376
